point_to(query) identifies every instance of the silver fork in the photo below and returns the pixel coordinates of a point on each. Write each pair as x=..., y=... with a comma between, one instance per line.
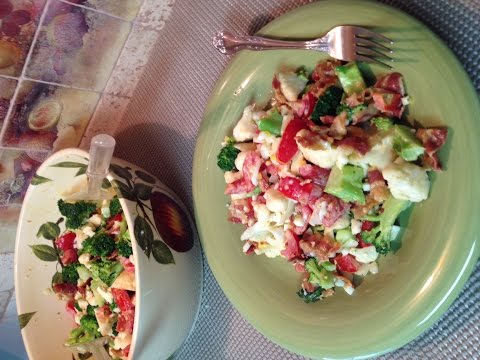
x=345, y=42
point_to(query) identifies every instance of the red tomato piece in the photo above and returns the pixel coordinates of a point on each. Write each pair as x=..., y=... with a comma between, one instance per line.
x=69, y=256
x=127, y=264
x=288, y=146
x=292, y=250
x=111, y=221
x=70, y=308
x=65, y=242
x=122, y=299
x=336, y=208
x=65, y=289
x=367, y=225
x=126, y=351
x=347, y=263
x=293, y=188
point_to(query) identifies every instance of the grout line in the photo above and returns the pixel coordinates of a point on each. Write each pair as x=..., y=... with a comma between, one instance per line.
x=95, y=10
x=2, y=313
x=13, y=100
x=60, y=85
x=8, y=77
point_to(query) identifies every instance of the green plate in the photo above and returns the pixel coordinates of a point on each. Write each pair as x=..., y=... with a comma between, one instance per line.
x=440, y=244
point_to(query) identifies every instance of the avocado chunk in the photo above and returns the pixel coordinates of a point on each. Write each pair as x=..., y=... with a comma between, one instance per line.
x=351, y=78
x=406, y=144
x=346, y=183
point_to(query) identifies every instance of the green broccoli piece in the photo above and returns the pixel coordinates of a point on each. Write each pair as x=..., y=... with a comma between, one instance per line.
x=90, y=310
x=226, y=157
x=352, y=113
x=310, y=297
x=98, y=245
x=319, y=274
x=70, y=274
x=381, y=235
x=124, y=248
x=87, y=331
x=77, y=213
x=115, y=206
x=382, y=123
x=303, y=73
x=327, y=104
x=106, y=271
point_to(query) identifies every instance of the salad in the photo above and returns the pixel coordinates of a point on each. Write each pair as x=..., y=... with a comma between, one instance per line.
x=97, y=277
x=321, y=175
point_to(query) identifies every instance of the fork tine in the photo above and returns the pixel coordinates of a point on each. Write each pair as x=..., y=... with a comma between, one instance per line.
x=366, y=42
x=371, y=34
x=368, y=51
x=369, y=59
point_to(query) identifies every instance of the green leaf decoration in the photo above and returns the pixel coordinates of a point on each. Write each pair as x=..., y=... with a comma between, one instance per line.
x=57, y=278
x=120, y=171
x=143, y=234
x=69, y=164
x=123, y=190
x=44, y=252
x=81, y=170
x=85, y=356
x=145, y=177
x=37, y=180
x=142, y=191
x=106, y=184
x=24, y=319
x=162, y=253
x=49, y=231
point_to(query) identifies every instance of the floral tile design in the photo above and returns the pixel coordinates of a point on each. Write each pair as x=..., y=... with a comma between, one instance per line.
x=77, y=47
x=7, y=88
x=8, y=225
x=18, y=23
x=16, y=170
x=48, y=117
x=126, y=9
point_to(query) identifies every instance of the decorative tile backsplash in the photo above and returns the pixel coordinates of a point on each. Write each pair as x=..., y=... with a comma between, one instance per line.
x=67, y=71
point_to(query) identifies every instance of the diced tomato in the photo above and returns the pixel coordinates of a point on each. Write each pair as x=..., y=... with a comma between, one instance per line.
x=292, y=250
x=122, y=299
x=367, y=225
x=65, y=242
x=294, y=189
x=288, y=146
x=125, y=321
x=336, y=208
x=127, y=264
x=315, y=173
x=126, y=351
x=65, y=289
x=309, y=101
x=70, y=307
x=392, y=82
x=69, y=256
x=347, y=263
x=357, y=143
x=388, y=103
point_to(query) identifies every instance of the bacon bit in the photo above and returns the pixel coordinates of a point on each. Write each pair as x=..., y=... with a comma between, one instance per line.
x=111, y=221
x=327, y=119
x=275, y=83
x=292, y=250
x=336, y=208
x=322, y=247
x=251, y=249
x=294, y=189
x=375, y=176
x=241, y=211
x=67, y=290
x=378, y=187
x=306, y=212
x=300, y=267
x=365, y=114
x=338, y=129
x=392, y=82
x=432, y=139
x=359, y=144
x=307, y=285
x=388, y=103
x=239, y=187
x=315, y=173
x=127, y=264
x=70, y=308
x=359, y=211
x=347, y=263
x=324, y=75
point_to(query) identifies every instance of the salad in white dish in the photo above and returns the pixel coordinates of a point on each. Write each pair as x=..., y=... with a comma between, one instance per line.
x=321, y=175
x=96, y=277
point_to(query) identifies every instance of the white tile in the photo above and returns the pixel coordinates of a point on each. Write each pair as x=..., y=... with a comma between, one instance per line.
x=4, y=299
x=6, y=272
x=11, y=310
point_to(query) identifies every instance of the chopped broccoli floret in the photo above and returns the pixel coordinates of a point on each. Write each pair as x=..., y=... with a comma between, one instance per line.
x=382, y=123
x=70, y=274
x=87, y=331
x=90, y=324
x=106, y=271
x=76, y=213
x=226, y=157
x=327, y=104
x=352, y=113
x=90, y=310
x=381, y=235
x=115, y=206
x=319, y=274
x=98, y=245
x=124, y=248
x=310, y=297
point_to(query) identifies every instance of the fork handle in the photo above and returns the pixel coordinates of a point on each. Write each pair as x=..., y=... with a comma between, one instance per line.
x=228, y=43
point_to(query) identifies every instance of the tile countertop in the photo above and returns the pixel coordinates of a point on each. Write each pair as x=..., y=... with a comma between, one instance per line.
x=160, y=123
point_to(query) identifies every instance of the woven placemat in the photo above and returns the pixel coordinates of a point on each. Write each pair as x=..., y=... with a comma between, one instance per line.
x=159, y=132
